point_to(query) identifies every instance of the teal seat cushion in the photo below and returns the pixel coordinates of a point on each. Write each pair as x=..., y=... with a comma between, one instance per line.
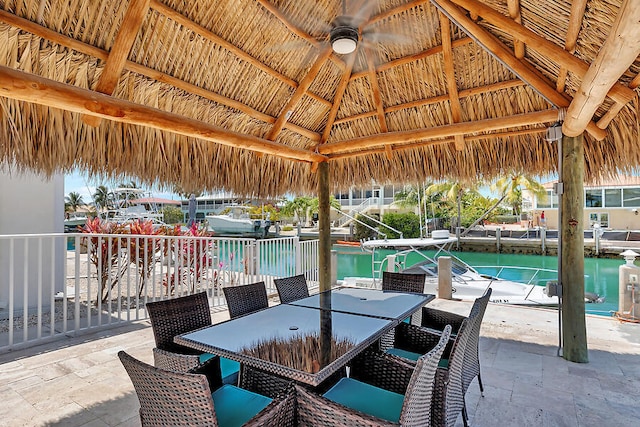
x=407, y=320
x=404, y=354
x=235, y=406
x=230, y=369
x=367, y=398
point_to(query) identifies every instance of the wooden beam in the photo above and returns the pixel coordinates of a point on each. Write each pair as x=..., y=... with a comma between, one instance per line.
x=500, y=51
x=450, y=75
x=514, y=13
x=508, y=134
x=119, y=53
x=574, y=330
x=553, y=52
x=393, y=11
x=617, y=54
x=297, y=31
x=377, y=98
x=612, y=112
x=575, y=22
x=299, y=93
x=95, y=52
x=337, y=99
x=26, y=87
x=403, y=137
x=211, y=36
x=412, y=58
x=437, y=99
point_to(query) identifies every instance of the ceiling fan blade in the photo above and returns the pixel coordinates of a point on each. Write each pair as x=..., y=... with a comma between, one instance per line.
x=365, y=9
x=386, y=38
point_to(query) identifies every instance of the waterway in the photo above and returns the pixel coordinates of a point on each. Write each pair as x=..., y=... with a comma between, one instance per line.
x=601, y=275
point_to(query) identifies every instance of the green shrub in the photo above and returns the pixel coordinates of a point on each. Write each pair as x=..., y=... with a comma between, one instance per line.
x=287, y=228
x=407, y=223
x=362, y=232
x=172, y=214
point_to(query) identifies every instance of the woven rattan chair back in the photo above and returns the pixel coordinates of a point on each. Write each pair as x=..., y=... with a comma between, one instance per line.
x=169, y=398
x=403, y=282
x=292, y=288
x=245, y=299
x=472, y=357
x=416, y=409
x=448, y=401
x=176, y=316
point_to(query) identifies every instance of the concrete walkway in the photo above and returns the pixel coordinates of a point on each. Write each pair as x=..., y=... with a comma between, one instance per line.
x=80, y=381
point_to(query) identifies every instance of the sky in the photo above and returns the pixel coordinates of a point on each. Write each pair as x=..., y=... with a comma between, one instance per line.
x=79, y=182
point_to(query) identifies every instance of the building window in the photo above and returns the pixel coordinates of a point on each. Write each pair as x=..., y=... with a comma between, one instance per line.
x=547, y=202
x=593, y=198
x=631, y=197
x=613, y=198
x=600, y=218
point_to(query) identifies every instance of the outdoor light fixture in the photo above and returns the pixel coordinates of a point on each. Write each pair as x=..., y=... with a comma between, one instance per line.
x=554, y=132
x=344, y=39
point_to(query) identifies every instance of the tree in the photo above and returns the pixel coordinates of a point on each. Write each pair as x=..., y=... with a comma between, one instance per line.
x=102, y=198
x=73, y=201
x=297, y=207
x=453, y=191
x=407, y=223
x=172, y=214
x=510, y=188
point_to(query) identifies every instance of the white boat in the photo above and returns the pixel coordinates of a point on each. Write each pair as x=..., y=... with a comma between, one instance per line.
x=467, y=283
x=237, y=221
x=130, y=206
x=74, y=220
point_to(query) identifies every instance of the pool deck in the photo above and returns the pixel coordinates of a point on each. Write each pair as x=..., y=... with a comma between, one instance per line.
x=79, y=381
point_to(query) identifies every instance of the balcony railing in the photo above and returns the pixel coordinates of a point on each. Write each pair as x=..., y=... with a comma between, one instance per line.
x=53, y=285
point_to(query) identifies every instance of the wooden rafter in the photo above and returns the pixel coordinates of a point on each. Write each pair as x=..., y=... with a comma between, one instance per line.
x=450, y=75
x=377, y=97
x=27, y=87
x=211, y=36
x=412, y=58
x=425, y=143
x=299, y=93
x=393, y=11
x=96, y=52
x=514, y=13
x=575, y=22
x=297, y=31
x=499, y=50
x=119, y=53
x=619, y=51
x=618, y=92
x=337, y=100
x=446, y=131
x=615, y=109
x=437, y=99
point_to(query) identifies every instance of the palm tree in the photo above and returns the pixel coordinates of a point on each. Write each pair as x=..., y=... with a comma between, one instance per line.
x=453, y=190
x=510, y=187
x=73, y=201
x=298, y=207
x=102, y=198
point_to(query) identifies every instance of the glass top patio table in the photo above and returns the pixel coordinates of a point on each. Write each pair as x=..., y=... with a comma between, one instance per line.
x=368, y=302
x=301, y=343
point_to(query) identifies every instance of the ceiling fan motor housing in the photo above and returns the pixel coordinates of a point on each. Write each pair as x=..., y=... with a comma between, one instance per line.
x=344, y=39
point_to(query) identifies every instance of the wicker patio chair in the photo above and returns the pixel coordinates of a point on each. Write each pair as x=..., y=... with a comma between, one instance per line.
x=438, y=319
x=400, y=394
x=177, y=316
x=170, y=398
x=403, y=282
x=449, y=391
x=292, y=288
x=245, y=299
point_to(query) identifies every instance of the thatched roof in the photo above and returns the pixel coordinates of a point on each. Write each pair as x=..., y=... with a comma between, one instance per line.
x=246, y=95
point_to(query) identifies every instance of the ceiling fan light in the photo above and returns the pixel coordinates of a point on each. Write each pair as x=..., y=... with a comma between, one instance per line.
x=344, y=39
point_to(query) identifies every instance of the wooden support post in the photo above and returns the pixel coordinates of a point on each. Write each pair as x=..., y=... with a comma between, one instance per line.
x=572, y=256
x=324, y=229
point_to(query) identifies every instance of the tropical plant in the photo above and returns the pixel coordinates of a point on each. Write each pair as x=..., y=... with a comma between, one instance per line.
x=189, y=257
x=368, y=231
x=510, y=187
x=298, y=208
x=73, y=201
x=142, y=251
x=407, y=223
x=172, y=214
x=452, y=191
x=102, y=198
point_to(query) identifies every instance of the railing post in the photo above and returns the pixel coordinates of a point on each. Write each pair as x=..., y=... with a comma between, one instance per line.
x=298, y=254
x=444, y=277
x=498, y=235
x=543, y=239
x=334, y=268
x=391, y=263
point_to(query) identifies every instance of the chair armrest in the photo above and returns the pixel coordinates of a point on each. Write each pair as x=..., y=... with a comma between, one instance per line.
x=211, y=370
x=176, y=362
x=281, y=412
x=382, y=370
x=438, y=319
x=417, y=339
x=317, y=411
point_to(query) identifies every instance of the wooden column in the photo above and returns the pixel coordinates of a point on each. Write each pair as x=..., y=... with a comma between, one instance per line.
x=324, y=230
x=572, y=256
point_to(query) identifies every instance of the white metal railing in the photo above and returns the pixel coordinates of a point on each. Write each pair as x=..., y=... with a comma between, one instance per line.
x=53, y=285
x=344, y=219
